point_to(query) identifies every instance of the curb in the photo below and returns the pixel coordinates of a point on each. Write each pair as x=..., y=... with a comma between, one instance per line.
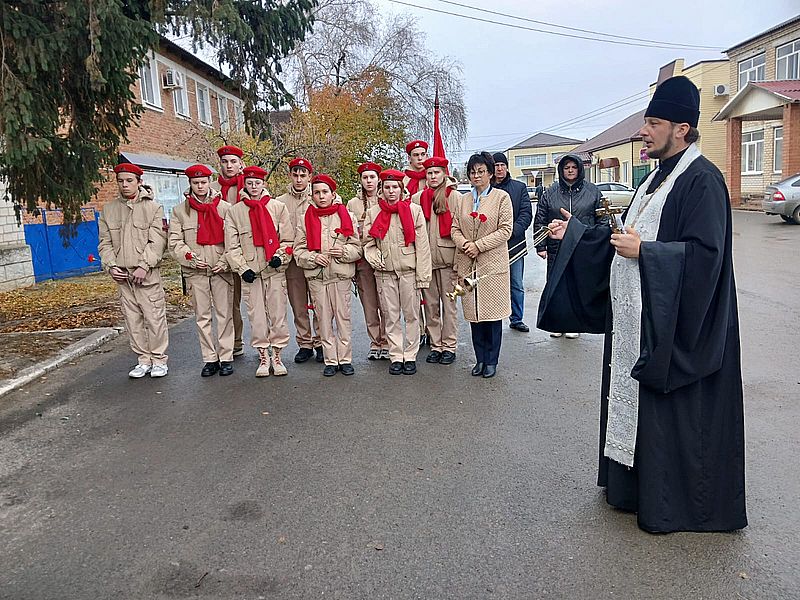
x=97, y=338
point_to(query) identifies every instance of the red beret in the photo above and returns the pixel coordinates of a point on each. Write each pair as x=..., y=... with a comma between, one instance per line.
x=369, y=166
x=326, y=179
x=254, y=172
x=392, y=175
x=226, y=150
x=436, y=161
x=128, y=168
x=415, y=144
x=301, y=162
x=198, y=171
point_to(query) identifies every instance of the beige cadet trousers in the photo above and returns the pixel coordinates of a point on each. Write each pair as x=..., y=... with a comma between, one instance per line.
x=400, y=298
x=368, y=293
x=238, y=324
x=145, y=312
x=332, y=305
x=441, y=313
x=213, y=295
x=266, y=310
x=299, y=299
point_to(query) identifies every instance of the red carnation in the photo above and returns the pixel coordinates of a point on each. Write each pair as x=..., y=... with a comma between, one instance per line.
x=473, y=214
x=422, y=303
x=92, y=258
x=310, y=306
x=338, y=231
x=189, y=256
x=482, y=217
x=289, y=250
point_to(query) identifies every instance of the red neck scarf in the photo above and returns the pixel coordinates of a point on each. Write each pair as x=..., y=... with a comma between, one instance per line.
x=210, y=226
x=445, y=219
x=415, y=177
x=264, y=232
x=381, y=224
x=314, y=225
x=226, y=184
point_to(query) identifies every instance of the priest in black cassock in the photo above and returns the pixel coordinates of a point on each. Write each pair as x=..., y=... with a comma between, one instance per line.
x=663, y=292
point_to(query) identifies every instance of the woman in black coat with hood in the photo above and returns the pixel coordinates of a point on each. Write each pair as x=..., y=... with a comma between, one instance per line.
x=572, y=192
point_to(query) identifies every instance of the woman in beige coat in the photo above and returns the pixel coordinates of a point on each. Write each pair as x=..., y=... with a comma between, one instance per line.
x=327, y=247
x=368, y=173
x=482, y=226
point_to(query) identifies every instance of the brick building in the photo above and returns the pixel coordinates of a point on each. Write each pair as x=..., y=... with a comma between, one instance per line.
x=763, y=114
x=185, y=100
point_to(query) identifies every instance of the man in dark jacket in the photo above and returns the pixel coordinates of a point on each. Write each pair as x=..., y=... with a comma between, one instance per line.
x=573, y=193
x=517, y=246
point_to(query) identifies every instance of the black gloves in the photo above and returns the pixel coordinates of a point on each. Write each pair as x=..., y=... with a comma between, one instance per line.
x=275, y=262
x=249, y=276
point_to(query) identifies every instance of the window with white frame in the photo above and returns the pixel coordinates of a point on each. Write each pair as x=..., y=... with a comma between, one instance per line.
x=180, y=96
x=239, y=108
x=149, y=84
x=224, y=119
x=625, y=173
x=752, y=151
x=752, y=69
x=787, y=61
x=203, y=104
x=530, y=160
x=777, y=150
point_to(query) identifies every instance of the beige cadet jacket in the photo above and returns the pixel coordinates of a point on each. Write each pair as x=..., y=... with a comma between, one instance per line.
x=359, y=209
x=443, y=250
x=296, y=203
x=132, y=232
x=391, y=253
x=243, y=254
x=340, y=268
x=183, y=239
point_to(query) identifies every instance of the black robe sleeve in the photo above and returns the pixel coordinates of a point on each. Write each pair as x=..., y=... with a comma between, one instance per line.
x=687, y=283
x=576, y=296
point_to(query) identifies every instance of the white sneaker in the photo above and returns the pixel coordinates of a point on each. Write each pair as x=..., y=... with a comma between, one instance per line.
x=572, y=336
x=278, y=368
x=139, y=371
x=159, y=371
x=384, y=354
x=556, y=335
x=263, y=363
x=374, y=354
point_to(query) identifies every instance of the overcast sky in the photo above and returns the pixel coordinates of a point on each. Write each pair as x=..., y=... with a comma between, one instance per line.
x=520, y=82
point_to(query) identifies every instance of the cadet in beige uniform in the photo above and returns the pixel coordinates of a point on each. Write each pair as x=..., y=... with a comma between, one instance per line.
x=396, y=246
x=365, y=275
x=132, y=242
x=259, y=239
x=414, y=180
x=326, y=248
x=441, y=313
x=197, y=241
x=297, y=199
x=231, y=184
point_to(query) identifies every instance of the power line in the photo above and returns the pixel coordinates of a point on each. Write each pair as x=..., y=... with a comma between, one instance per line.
x=535, y=29
x=589, y=31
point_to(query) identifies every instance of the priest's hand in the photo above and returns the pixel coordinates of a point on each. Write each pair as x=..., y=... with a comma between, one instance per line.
x=471, y=249
x=627, y=244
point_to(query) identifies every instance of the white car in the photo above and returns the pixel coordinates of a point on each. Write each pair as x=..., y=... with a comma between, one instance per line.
x=618, y=194
x=463, y=188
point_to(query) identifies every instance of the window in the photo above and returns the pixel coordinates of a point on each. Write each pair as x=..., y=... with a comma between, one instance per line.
x=751, y=69
x=148, y=82
x=168, y=188
x=239, y=108
x=203, y=104
x=224, y=119
x=180, y=97
x=752, y=151
x=787, y=61
x=530, y=160
x=625, y=171
x=777, y=150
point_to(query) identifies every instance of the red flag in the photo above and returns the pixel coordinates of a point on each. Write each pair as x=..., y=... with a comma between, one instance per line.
x=438, y=145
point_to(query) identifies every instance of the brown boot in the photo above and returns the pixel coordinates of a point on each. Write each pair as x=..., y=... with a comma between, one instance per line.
x=278, y=368
x=263, y=363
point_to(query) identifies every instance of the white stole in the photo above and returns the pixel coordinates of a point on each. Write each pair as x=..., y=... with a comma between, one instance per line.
x=626, y=305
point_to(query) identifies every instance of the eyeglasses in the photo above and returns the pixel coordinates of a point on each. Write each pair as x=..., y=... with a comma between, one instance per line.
x=479, y=173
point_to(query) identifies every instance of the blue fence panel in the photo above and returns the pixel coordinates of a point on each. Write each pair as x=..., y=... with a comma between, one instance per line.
x=36, y=238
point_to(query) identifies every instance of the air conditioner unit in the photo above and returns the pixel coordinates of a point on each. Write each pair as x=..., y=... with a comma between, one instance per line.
x=172, y=79
x=721, y=89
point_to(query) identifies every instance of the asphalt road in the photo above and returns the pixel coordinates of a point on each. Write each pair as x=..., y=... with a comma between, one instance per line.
x=376, y=486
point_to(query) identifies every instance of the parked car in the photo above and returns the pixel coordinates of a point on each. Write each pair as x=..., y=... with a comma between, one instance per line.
x=532, y=192
x=783, y=198
x=463, y=188
x=618, y=194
